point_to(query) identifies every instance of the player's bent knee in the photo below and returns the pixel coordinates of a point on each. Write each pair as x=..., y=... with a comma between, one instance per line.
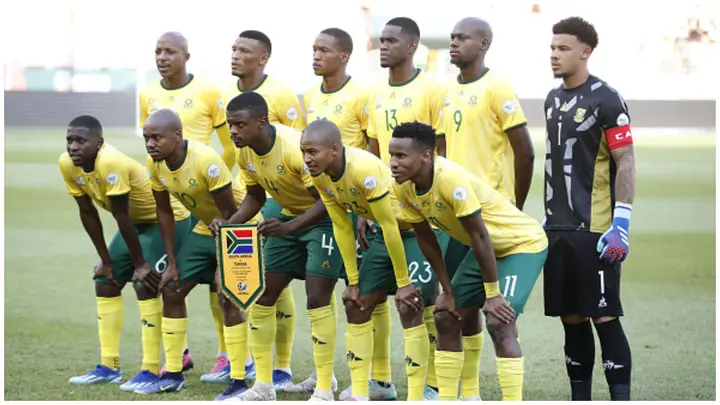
x=445, y=322
x=107, y=290
x=409, y=318
x=172, y=297
x=355, y=315
x=573, y=319
x=500, y=331
x=603, y=319
x=143, y=293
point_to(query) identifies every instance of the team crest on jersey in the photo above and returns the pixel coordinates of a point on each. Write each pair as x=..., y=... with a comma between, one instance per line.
x=460, y=193
x=392, y=95
x=579, y=115
x=370, y=182
x=213, y=171
x=338, y=109
x=80, y=181
x=354, y=192
x=251, y=168
x=509, y=106
x=292, y=113
x=112, y=178
x=407, y=103
x=326, y=102
x=192, y=183
x=188, y=103
x=473, y=101
x=280, y=170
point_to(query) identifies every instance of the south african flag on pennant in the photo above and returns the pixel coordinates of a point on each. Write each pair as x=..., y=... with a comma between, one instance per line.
x=239, y=242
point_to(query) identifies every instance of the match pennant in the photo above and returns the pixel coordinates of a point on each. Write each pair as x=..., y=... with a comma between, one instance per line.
x=242, y=273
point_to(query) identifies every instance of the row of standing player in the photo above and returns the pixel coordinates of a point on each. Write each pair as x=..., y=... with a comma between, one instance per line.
x=482, y=43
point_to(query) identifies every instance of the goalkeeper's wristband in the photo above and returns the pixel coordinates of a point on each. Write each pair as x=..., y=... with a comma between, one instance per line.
x=492, y=289
x=621, y=215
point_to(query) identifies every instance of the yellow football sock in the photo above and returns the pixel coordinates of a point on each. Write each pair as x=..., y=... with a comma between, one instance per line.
x=236, y=343
x=510, y=375
x=429, y=320
x=187, y=344
x=381, y=343
x=469, y=377
x=262, y=331
x=359, y=344
x=448, y=366
x=416, y=357
x=285, y=334
x=151, y=314
x=219, y=321
x=323, y=325
x=174, y=331
x=110, y=322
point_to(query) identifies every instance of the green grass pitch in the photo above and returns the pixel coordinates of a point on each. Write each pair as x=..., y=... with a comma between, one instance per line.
x=668, y=286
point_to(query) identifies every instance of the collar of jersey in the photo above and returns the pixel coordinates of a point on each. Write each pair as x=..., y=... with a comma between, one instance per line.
x=182, y=162
x=408, y=81
x=342, y=170
x=322, y=90
x=254, y=88
x=421, y=193
x=482, y=74
x=272, y=144
x=191, y=76
x=97, y=157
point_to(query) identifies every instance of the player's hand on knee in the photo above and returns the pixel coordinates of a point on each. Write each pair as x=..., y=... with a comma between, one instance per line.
x=446, y=302
x=215, y=225
x=145, y=275
x=170, y=275
x=363, y=225
x=498, y=307
x=352, y=294
x=410, y=297
x=274, y=227
x=104, y=270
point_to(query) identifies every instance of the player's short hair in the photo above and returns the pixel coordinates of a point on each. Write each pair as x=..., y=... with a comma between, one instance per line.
x=252, y=102
x=88, y=122
x=343, y=38
x=408, y=26
x=423, y=135
x=578, y=27
x=260, y=37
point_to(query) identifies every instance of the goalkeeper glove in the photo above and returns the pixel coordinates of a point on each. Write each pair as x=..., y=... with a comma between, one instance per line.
x=614, y=245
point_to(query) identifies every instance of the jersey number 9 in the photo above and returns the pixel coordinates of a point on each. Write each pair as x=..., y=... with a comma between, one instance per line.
x=457, y=119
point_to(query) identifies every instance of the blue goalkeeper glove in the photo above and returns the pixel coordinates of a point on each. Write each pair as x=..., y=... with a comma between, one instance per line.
x=614, y=245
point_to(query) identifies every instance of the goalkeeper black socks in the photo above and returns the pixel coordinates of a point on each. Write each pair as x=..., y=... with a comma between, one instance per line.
x=580, y=359
x=617, y=360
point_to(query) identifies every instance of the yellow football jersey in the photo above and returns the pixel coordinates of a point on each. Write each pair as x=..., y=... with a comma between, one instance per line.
x=280, y=171
x=198, y=103
x=456, y=193
x=283, y=104
x=115, y=174
x=365, y=179
x=201, y=174
x=346, y=107
x=478, y=115
x=419, y=99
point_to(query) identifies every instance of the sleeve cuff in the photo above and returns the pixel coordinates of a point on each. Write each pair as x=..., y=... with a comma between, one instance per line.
x=514, y=127
x=372, y=200
x=221, y=188
x=471, y=214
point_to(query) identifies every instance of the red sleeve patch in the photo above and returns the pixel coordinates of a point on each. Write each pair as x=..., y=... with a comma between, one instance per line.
x=619, y=136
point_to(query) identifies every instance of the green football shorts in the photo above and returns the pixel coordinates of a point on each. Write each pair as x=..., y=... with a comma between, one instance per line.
x=309, y=252
x=152, y=246
x=517, y=274
x=377, y=271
